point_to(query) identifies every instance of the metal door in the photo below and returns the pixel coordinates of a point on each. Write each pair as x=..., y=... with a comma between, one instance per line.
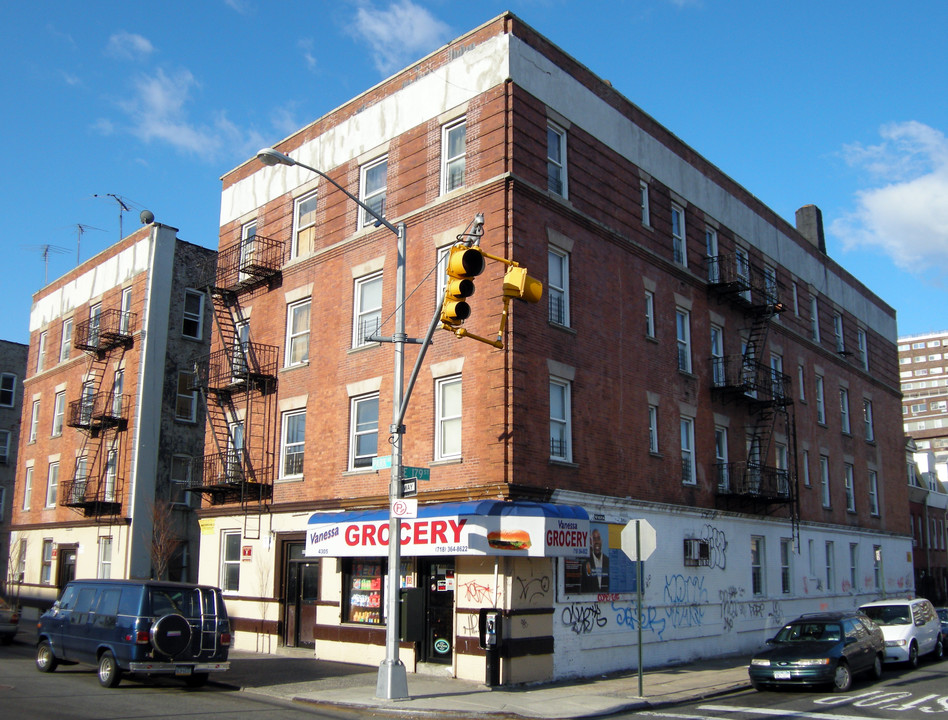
x=438, y=578
x=301, y=591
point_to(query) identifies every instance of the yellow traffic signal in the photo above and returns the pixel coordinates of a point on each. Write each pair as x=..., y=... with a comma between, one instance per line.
x=519, y=285
x=464, y=263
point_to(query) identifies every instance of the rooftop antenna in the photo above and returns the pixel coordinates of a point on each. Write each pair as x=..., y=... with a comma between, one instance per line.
x=47, y=250
x=80, y=228
x=123, y=208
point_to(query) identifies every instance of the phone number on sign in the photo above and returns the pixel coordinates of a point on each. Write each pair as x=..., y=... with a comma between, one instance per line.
x=447, y=549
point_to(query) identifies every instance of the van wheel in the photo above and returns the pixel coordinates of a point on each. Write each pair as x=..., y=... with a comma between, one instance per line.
x=913, y=655
x=197, y=680
x=45, y=658
x=109, y=674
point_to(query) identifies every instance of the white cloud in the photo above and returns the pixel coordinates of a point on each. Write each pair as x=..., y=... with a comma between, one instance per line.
x=906, y=214
x=129, y=46
x=244, y=7
x=398, y=34
x=306, y=47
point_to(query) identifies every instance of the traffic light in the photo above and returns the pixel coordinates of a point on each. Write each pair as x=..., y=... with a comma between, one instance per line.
x=464, y=263
x=519, y=285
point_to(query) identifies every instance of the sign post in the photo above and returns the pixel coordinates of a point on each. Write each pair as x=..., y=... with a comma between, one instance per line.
x=638, y=542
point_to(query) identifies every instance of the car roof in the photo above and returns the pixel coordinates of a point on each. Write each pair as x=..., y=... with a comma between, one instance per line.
x=893, y=601
x=828, y=616
x=140, y=583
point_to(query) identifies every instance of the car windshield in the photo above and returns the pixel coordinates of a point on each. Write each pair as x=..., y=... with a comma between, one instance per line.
x=889, y=614
x=943, y=614
x=810, y=631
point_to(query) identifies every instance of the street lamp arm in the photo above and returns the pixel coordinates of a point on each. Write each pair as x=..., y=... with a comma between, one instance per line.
x=271, y=157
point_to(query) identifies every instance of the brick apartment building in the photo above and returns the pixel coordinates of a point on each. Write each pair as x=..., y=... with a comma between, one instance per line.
x=12, y=372
x=110, y=418
x=696, y=362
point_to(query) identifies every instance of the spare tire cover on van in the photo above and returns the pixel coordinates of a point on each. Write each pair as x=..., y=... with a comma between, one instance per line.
x=171, y=635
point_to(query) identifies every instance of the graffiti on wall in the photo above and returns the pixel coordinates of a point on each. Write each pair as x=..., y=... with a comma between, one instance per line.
x=717, y=545
x=534, y=588
x=685, y=599
x=582, y=619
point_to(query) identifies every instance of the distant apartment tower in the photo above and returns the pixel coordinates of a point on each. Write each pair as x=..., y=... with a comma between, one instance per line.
x=923, y=372
x=110, y=418
x=697, y=362
x=12, y=372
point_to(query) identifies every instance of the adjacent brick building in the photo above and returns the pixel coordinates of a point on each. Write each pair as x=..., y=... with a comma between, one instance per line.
x=12, y=372
x=111, y=419
x=697, y=362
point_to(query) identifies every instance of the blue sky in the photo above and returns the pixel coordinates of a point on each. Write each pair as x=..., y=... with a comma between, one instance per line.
x=840, y=104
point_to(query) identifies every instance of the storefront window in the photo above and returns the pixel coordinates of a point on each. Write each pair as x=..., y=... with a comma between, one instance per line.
x=364, y=579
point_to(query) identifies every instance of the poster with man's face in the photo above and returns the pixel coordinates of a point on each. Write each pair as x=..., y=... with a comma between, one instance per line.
x=605, y=569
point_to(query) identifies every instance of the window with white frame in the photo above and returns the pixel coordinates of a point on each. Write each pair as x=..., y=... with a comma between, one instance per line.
x=824, y=481
x=711, y=253
x=688, y=474
x=185, y=408
x=304, y=225
x=27, y=487
x=443, y=254
x=742, y=262
x=646, y=210
x=777, y=384
x=453, y=154
x=872, y=480
x=367, y=303
x=814, y=318
x=560, y=420
x=46, y=566
x=679, y=251
x=853, y=565
x=41, y=351
x=801, y=381
x=757, y=565
x=448, y=417
x=363, y=431
x=867, y=420
x=65, y=340
x=820, y=401
x=373, y=187
x=806, y=468
x=105, y=558
x=683, y=329
x=111, y=476
x=230, y=561
x=830, y=566
x=649, y=314
x=7, y=389
x=34, y=421
x=811, y=555
x=95, y=320
x=297, y=332
x=118, y=390
x=653, y=429
x=181, y=481
x=845, y=425
x=125, y=309
x=783, y=469
x=796, y=300
x=59, y=413
x=558, y=285
x=556, y=159
x=293, y=444
x=4, y=447
x=862, y=341
x=193, y=324
x=723, y=470
x=718, y=369
x=770, y=284
x=848, y=483
x=248, y=249
x=786, y=574
x=838, y=333
x=52, y=484
x=80, y=479
x=21, y=562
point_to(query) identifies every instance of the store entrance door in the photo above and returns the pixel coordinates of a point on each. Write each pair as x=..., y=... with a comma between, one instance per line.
x=66, y=570
x=300, y=589
x=438, y=578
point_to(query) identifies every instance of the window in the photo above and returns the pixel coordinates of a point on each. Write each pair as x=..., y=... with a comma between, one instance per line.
x=105, y=558
x=230, y=562
x=862, y=342
x=293, y=446
x=297, y=333
x=21, y=562
x=801, y=381
x=59, y=413
x=830, y=566
x=867, y=420
x=853, y=565
x=683, y=327
x=777, y=384
x=560, y=420
x=873, y=482
x=7, y=389
x=796, y=301
x=248, y=248
x=193, y=324
x=373, y=185
x=27, y=487
x=653, y=429
x=770, y=284
x=814, y=319
x=453, y=145
x=368, y=309
x=118, y=389
x=838, y=332
x=806, y=468
x=844, y=410
x=679, y=252
x=181, y=480
x=111, y=476
x=757, y=565
x=52, y=483
x=646, y=212
x=556, y=160
x=87, y=402
x=125, y=319
x=720, y=458
x=46, y=569
x=364, y=590
x=186, y=404
x=34, y=421
x=364, y=431
x=688, y=451
x=558, y=285
x=783, y=469
x=4, y=447
x=824, y=481
x=718, y=369
x=820, y=401
x=649, y=314
x=711, y=249
x=95, y=318
x=786, y=555
x=304, y=225
x=877, y=566
x=41, y=351
x=850, y=490
x=448, y=418
x=742, y=261
x=65, y=342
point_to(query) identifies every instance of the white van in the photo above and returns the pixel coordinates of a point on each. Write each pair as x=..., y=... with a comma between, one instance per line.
x=911, y=628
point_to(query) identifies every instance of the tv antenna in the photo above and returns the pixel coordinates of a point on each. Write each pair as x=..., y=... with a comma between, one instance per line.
x=46, y=251
x=123, y=204
x=80, y=228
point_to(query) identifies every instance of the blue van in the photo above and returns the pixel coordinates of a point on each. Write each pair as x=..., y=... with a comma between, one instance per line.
x=136, y=626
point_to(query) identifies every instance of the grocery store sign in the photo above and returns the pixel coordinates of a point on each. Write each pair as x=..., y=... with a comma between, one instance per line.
x=476, y=528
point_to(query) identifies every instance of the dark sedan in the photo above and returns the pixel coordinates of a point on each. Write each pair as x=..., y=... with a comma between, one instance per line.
x=820, y=649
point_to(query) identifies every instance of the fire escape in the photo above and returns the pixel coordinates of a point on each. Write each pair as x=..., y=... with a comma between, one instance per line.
x=237, y=382
x=97, y=486
x=753, y=484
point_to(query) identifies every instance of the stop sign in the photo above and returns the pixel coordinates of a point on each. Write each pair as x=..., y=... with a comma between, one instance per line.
x=646, y=544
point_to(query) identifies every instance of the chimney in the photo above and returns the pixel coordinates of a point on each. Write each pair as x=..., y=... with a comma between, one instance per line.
x=810, y=226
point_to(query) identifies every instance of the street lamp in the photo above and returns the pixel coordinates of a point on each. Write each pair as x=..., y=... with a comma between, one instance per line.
x=392, y=681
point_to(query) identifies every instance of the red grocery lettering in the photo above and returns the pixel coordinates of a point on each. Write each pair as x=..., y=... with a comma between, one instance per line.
x=457, y=526
x=565, y=538
x=437, y=532
x=368, y=534
x=352, y=535
x=421, y=533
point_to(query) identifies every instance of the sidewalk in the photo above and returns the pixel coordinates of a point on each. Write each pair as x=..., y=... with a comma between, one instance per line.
x=298, y=676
